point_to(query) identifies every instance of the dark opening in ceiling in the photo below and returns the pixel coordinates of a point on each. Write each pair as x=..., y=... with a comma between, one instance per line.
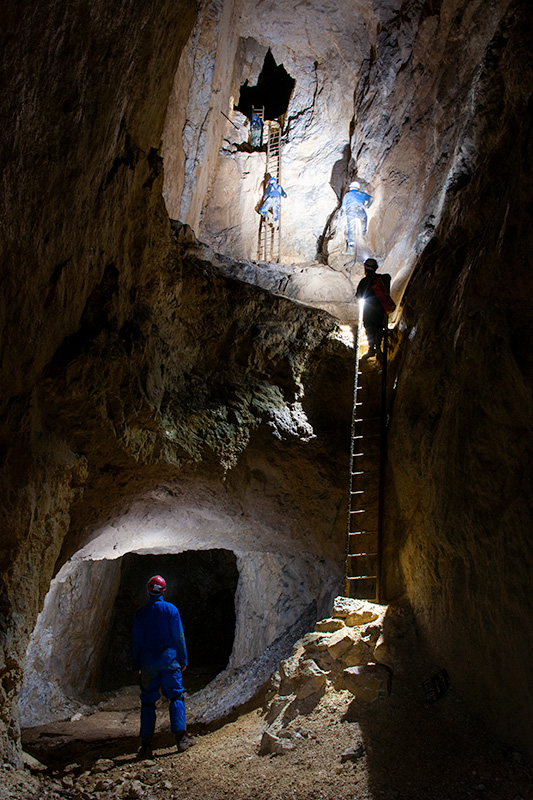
x=273, y=91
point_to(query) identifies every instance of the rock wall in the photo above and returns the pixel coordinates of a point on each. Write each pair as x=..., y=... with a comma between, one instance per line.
x=83, y=102
x=68, y=644
x=383, y=93
x=461, y=429
x=138, y=376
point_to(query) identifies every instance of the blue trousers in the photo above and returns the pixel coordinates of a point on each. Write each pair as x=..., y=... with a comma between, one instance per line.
x=355, y=212
x=271, y=203
x=169, y=682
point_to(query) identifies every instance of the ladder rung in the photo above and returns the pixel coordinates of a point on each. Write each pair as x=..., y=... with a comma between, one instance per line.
x=360, y=472
x=362, y=578
x=360, y=555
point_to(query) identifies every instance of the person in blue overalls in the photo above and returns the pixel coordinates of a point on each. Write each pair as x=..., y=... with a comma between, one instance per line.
x=256, y=131
x=272, y=200
x=159, y=656
x=354, y=204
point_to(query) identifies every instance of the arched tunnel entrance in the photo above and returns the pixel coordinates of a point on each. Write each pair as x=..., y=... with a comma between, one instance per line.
x=202, y=584
x=241, y=611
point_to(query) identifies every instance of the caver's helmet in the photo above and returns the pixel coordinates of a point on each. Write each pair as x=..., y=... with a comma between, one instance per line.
x=371, y=264
x=156, y=585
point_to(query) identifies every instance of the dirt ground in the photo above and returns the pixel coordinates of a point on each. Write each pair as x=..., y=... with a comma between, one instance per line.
x=399, y=747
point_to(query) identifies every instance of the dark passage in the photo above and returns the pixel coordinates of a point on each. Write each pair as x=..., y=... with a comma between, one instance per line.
x=202, y=584
x=273, y=91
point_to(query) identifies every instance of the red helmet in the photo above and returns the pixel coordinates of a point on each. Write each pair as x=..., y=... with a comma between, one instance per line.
x=156, y=585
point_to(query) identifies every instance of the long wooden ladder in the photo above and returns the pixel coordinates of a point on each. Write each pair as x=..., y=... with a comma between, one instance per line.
x=366, y=483
x=269, y=238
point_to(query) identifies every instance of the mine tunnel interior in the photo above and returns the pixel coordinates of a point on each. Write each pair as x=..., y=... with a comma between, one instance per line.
x=273, y=90
x=202, y=584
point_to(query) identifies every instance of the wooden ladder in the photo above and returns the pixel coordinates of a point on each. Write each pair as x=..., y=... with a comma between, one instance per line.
x=366, y=486
x=269, y=239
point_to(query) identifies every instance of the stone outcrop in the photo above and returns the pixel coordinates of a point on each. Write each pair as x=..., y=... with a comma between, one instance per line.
x=330, y=660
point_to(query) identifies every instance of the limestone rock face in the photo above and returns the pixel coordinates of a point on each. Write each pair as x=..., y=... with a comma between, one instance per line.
x=460, y=438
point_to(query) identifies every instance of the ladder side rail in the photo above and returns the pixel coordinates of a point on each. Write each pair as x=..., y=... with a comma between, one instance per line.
x=382, y=460
x=352, y=440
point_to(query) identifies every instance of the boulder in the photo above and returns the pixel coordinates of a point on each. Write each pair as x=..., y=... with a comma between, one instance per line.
x=329, y=625
x=277, y=707
x=367, y=683
x=319, y=643
x=355, y=612
x=359, y=654
x=309, y=680
x=341, y=641
x=382, y=652
x=288, y=670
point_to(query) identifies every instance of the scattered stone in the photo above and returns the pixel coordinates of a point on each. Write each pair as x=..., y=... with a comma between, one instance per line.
x=102, y=765
x=68, y=781
x=31, y=763
x=72, y=768
x=103, y=785
x=272, y=744
x=135, y=790
x=367, y=683
x=166, y=785
x=353, y=753
x=329, y=625
x=76, y=717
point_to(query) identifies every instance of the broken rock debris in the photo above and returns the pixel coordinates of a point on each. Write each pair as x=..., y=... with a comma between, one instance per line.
x=337, y=656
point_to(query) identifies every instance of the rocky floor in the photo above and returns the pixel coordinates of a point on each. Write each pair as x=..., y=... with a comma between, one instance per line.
x=328, y=732
x=399, y=747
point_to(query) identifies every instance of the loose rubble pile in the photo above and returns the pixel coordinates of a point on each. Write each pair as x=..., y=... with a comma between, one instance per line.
x=345, y=652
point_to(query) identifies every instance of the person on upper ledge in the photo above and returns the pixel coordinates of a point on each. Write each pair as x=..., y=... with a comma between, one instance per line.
x=272, y=201
x=160, y=656
x=374, y=289
x=256, y=131
x=354, y=204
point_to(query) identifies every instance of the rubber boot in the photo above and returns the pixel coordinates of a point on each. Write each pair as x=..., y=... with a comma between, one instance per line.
x=145, y=750
x=182, y=743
